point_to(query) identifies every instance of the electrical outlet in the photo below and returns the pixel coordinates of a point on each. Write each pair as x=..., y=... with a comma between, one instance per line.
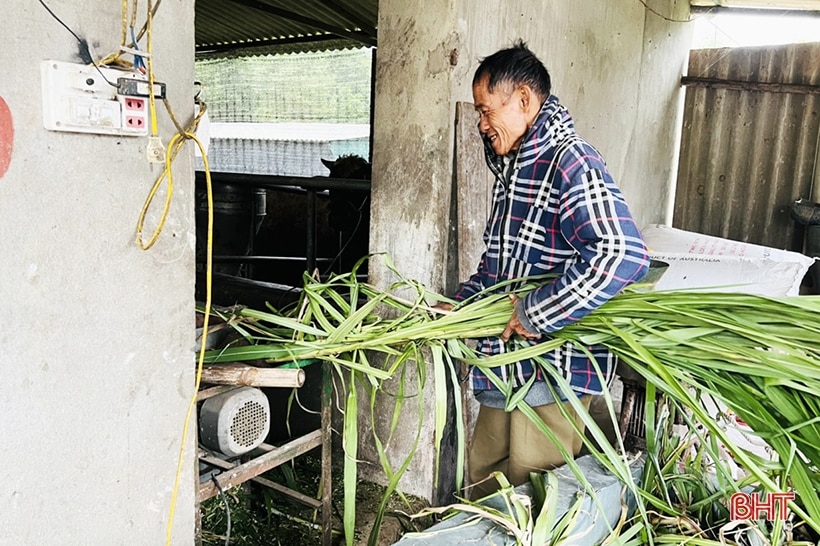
x=87, y=99
x=134, y=122
x=133, y=103
x=134, y=113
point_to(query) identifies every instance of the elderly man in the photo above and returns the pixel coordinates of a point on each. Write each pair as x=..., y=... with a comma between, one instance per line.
x=556, y=210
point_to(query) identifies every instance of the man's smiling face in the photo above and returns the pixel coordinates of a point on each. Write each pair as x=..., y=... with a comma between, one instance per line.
x=503, y=118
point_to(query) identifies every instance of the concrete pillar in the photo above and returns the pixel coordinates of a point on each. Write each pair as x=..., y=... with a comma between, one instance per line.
x=96, y=335
x=412, y=172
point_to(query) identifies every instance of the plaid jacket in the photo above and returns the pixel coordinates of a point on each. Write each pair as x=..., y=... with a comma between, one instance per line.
x=560, y=213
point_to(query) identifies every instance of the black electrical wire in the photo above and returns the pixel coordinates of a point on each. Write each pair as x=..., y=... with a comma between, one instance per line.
x=338, y=255
x=85, y=52
x=227, y=508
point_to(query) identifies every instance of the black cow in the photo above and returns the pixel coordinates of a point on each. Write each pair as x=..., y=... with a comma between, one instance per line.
x=349, y=210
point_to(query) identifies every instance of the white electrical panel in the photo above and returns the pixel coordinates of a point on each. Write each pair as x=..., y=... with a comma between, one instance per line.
x=84, y=99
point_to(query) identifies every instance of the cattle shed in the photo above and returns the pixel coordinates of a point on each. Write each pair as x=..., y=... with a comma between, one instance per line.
x=98, y=340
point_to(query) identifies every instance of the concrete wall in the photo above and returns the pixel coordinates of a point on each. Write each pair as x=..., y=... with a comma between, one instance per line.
x=95, y=334
x=616, y=66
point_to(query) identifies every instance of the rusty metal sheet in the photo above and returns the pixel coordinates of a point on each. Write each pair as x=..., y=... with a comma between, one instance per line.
x=747, y=154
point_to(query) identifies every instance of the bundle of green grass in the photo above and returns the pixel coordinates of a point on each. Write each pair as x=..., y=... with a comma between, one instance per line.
x=758, y=355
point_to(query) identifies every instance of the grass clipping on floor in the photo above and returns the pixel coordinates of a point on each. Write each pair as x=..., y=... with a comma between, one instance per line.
x=759, y=355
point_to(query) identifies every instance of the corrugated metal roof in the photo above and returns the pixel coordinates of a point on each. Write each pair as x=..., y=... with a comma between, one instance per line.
x=259, y=27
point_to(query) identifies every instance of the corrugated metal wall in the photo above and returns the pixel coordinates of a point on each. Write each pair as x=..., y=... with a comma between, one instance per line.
x=278, y=157
x=748, y=150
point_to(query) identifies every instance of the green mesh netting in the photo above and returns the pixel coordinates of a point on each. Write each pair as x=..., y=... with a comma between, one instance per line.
x=325, y=86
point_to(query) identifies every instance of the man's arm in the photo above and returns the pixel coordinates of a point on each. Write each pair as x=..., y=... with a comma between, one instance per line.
x=473, y=285
x=596, y=222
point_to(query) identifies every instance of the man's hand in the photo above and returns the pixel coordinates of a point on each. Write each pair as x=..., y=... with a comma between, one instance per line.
x=514, y=326
x=443, y=306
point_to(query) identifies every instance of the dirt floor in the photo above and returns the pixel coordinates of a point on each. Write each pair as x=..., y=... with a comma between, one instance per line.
x=262, y=517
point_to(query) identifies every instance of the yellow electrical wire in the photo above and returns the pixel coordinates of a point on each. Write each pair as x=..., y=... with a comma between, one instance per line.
x=133, y=17
x=174, y=146
x=149, y=23
x=148, y=200
x=153, y=13
x=114, y=57
x=205, y=324
x=124, y=35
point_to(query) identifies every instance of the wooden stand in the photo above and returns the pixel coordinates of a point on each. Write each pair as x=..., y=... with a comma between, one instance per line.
x=273, y=456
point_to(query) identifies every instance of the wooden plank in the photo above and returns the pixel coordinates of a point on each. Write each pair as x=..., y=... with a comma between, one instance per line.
x=474, y=184
x=300, y=497
x=473, y=194
x=295, y=495
x=273, y=458
x=326, y=484
x=210, y=392
x=251, y=376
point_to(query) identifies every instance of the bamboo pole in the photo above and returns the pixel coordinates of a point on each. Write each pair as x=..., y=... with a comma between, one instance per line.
x=250, y=376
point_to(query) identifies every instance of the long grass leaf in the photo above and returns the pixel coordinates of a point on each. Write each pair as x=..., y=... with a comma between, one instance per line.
x=350, y=446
